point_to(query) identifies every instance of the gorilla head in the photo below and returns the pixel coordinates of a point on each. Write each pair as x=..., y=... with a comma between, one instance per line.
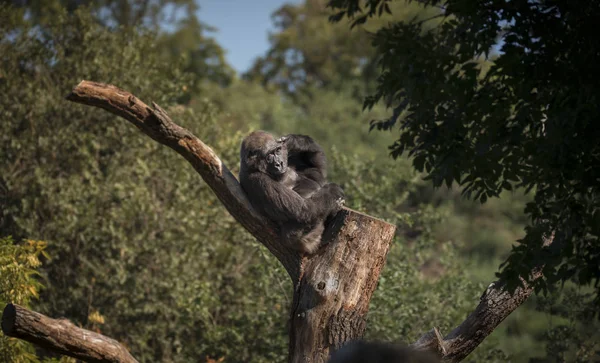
x=264, y=154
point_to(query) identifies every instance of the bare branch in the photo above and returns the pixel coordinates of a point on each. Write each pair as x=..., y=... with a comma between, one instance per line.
x=332, y=288
x=61, y=336
x=155, y=123
x=495, y=305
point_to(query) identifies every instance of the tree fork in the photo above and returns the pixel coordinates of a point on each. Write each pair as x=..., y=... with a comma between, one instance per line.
x=332, y=288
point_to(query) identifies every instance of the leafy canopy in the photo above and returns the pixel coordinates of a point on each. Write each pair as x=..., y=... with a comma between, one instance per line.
x=527, y=120
x=19, y=285
x=180, y=34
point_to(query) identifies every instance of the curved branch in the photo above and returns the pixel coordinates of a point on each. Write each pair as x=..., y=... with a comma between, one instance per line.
x=155, y=123
x=495, y=304
x=61, y=336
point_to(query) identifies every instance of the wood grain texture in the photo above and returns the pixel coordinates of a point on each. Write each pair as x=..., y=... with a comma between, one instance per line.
x=332, y=298
x=62, y=336
x=495, y=304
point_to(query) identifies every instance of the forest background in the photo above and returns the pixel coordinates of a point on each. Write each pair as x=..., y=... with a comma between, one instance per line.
x=116, y=233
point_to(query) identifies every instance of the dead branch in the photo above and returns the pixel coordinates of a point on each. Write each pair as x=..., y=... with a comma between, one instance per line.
x=332, y=288
x=494, y=306
x=154, y=122
x=61, y=336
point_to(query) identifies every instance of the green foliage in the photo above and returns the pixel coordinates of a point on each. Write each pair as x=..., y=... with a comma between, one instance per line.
x=309, y=53
x=19, y=263
x=420, y=278
x=149, y=13
x=526, y=122
x=187, y=40
x=142, y=249
x=181, y=36
x=135, y=255
x=573, y=335
x=19, y=285
x=306, y=51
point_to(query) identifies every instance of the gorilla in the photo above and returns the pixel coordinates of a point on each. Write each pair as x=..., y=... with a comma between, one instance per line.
x=379, y=352
x=285, y=180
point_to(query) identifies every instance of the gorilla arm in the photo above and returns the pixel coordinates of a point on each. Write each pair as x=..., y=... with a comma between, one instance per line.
x=301, y=221
x=306, y=157
x=281, y=204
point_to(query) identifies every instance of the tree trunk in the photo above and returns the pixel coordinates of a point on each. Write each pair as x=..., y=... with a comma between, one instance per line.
x=332, y=288
x=332, y=298
x=61, y=336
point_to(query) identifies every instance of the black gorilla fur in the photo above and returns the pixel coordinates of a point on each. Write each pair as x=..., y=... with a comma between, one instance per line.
x=380, y=352
x=286, y=181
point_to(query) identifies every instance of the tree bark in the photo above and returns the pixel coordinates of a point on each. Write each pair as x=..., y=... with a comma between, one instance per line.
x=332, y=288
x=332, y=298
x=62, y=336
x=494, y=306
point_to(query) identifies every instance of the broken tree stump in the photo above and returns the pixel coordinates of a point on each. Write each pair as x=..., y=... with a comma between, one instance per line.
x=332, y=298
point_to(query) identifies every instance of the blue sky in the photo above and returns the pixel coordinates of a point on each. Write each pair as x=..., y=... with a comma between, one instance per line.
x=242, y=32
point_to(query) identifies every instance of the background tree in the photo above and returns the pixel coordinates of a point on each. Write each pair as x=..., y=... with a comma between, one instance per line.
x=98, y=209
x=18, y=266
x=308, y=52
x=484, y=233
x=180, y=34
x=527, y=122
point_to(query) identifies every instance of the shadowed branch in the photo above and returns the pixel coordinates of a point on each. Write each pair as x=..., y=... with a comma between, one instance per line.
x=494, y=306
x=154, y=122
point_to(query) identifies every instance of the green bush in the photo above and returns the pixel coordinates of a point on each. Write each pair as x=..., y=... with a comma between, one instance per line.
x=19, y=284
x=143, y=251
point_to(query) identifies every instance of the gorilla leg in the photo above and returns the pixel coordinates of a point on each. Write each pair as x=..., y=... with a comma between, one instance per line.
x=302, y=239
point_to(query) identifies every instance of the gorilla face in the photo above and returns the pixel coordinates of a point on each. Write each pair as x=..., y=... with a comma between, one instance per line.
x=263, y=153
x=277, y=160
